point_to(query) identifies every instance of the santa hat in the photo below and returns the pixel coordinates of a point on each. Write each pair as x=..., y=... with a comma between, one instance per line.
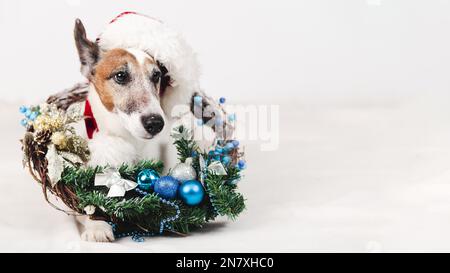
x=134, y=30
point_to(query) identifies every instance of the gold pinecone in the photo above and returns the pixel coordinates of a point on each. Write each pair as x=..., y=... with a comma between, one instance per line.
x=43, y=137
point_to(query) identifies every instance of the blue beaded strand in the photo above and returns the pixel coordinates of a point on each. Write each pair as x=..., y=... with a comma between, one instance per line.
x=166, y=222
x=136, y=236
x=141, y=191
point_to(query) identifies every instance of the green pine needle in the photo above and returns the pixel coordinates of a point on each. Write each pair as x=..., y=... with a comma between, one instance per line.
x=225, y=200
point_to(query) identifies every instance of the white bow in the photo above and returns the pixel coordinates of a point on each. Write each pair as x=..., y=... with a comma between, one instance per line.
x=116, y=184
x=214, y=167
x=217, y=168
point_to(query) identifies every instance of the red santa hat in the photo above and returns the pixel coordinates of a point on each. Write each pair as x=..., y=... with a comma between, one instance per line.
x=134, y=30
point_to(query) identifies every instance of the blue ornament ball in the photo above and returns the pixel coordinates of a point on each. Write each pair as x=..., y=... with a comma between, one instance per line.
x=146, y=179
x=23, y=109
x=226, y=159
x=229, y=146
x=222, y=100
x=191, y=192
x=235, y=143
x=219, y=150
x=242, y=164
x=24, y=122
x=28, y=113
x=167, y=187
x=33, y=116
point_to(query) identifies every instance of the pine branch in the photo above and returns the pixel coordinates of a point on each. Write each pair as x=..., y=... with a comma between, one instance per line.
x=145, y=211
x=223, y=196
x=185, y=146
x=190, y=217
x=130, y=172
x=233, y=173
x=80, y=179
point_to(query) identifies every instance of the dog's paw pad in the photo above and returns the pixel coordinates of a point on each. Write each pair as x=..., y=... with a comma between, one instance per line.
x=98, y=231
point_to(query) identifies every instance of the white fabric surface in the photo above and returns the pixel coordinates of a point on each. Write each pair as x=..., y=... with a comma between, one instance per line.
x=348, y=176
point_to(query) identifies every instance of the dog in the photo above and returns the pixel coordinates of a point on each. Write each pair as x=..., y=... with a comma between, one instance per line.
x=142, y=78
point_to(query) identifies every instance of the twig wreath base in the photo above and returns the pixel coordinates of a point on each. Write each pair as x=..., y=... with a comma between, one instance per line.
x=56, y=157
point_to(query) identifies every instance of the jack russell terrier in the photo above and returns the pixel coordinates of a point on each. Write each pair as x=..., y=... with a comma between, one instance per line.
x=140, y=74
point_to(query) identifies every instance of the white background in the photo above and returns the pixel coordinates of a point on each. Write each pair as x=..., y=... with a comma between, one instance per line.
x=251, y=49
x=363, y=88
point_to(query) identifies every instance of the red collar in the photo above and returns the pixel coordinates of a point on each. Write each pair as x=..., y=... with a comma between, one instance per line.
x=89, y=120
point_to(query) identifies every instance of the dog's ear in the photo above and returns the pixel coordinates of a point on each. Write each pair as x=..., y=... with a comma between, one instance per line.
x=88, y=51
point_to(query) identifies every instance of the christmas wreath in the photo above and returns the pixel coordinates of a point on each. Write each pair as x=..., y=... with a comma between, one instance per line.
x=137, y=200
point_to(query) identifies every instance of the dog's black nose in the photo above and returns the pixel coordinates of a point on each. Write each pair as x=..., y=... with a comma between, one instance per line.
x=153, y=124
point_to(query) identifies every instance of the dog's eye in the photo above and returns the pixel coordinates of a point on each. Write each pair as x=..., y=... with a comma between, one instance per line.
x=156, y=75
x=122, y=77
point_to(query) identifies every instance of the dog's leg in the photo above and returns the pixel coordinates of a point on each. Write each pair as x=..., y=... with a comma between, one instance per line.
x=69, y=96
x=162, y=148
x=168, y=154
x=95, y=231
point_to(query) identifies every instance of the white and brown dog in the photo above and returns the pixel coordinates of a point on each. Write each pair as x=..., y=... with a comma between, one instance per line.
x=138, y=72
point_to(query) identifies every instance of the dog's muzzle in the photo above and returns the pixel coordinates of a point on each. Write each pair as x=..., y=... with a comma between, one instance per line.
x=153, y=123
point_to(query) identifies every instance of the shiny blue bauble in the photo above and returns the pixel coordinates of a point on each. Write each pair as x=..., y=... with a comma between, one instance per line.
x=229, y=147
x=167, y=187
x=235, y=143
x=146, y=179
x=242, y=165
x=226, y=159
x=191, y=192
x=28, y=113
x=24, y=122
x=33, y=116
x=23, y=109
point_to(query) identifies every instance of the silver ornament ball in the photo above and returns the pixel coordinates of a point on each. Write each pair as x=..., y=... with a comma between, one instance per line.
x=183, y=172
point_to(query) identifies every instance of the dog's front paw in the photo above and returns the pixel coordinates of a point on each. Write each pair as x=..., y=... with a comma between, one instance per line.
x=97, y=231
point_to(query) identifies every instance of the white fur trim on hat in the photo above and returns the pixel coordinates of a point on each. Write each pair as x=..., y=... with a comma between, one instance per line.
x=133, y=30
